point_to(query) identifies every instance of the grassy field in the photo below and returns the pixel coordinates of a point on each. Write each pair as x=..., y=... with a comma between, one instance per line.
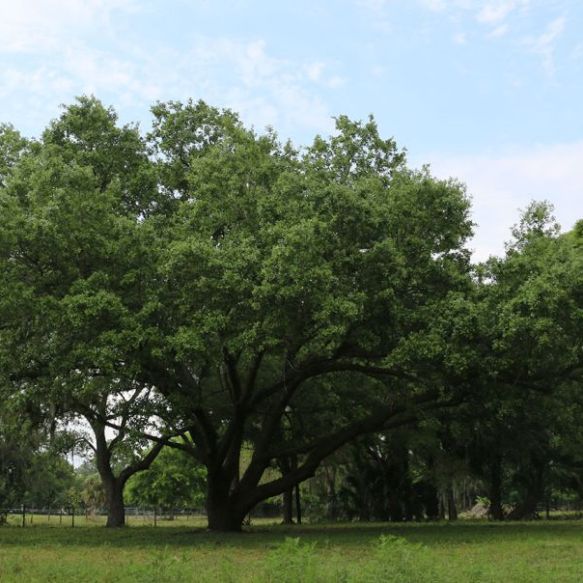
x=178, y=551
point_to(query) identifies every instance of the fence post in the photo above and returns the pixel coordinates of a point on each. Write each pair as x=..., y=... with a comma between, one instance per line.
x=23, y=516
x=72, y=516
x=155, y=515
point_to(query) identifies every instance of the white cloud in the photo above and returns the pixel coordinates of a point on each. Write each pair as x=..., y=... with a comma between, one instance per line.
x=435, y=5
x=378, y=71
x=242, y=75
x=374, y=5
x=460, y=38
x=267, y=90
x=34, y=25
x=314, y=71
x=486, y=12
x=497, y=11
x=499, y=31
x=544, y=44
x=501, y=184
x=577, y=52
x=446, y=5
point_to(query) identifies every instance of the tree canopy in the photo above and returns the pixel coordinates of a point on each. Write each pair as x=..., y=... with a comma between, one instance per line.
x=210, y=283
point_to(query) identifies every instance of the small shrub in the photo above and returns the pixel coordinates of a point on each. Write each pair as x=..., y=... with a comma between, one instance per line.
x=293, y=562
x=397, y=560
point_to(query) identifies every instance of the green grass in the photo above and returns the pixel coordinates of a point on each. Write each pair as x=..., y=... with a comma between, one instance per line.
x=176, y=551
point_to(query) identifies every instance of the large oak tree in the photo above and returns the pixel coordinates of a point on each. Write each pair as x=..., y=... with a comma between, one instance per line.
x=279, y=300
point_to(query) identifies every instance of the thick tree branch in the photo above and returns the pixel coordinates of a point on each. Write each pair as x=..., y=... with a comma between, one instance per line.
x=384, y=418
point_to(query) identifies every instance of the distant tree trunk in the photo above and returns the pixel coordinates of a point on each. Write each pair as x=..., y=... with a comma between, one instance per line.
x=285, y=466
x=332, y=497
x=526, y=509
x=288, y=517
x=394, y=507
x=442, y=505
x=364, y=505
x=431, y=501
x=496, y=511
x=114, y=485
x=298, y=505
x=451, y=506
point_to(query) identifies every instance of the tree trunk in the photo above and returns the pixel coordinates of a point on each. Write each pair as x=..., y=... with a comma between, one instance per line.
x=496, y=512
x=527, y=509
x=332, y=510
x=224, y=512
x=298, y=505
x=223, y=515
x=394, y=509
x=288, y=517
x=431, y=501
x=451, y=507
x=116, y=515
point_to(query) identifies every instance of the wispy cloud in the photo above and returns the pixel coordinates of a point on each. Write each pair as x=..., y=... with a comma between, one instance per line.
x=379, y=11
x=375, y=5
x=33, y=25
x=577, y=52
x=499, y=31
x=266, y=90
x=485, y=11
x=498, y=11
x=460, y=38
x=447, y=5
x=241, y=74
x=544, y=44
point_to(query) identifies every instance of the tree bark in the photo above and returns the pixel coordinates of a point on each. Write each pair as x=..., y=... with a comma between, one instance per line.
x=115, y=505
x=451, y=506
x=228, y=502
x=288, y=510
x=430, y=501
x=288, y=515
x=223, y=515
x=114, y=485
x=496, y=512
x=225, y=512
x=527, y=509
x=298, y=505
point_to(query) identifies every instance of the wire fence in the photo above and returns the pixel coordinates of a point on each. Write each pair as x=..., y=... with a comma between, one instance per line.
x=70, y=516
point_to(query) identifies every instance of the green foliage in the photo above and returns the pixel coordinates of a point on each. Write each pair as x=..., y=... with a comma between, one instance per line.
x=213, y=283
x=395, y=559
x=221, y=277
x=292, y=561
x=92, y=494
x=172, y=482
x=32, y=472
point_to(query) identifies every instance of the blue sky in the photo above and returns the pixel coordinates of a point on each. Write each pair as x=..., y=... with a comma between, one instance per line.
x=489, y=91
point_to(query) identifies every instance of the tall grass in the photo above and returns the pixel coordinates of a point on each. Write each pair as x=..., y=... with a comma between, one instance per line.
x=480, y=552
